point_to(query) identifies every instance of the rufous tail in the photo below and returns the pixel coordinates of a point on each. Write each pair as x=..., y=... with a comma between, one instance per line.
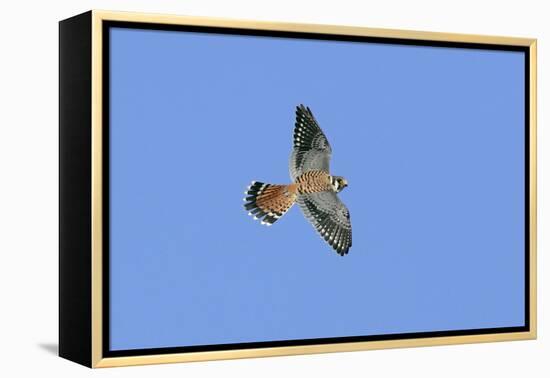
x=268, y=202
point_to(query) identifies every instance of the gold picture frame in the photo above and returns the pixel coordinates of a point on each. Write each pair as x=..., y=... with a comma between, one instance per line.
x=82, y=41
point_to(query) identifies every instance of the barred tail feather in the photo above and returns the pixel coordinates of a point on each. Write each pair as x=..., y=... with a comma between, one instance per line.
x=268, y=202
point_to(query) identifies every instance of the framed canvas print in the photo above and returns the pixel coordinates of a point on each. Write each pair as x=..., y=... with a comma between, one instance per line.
x=239, y=189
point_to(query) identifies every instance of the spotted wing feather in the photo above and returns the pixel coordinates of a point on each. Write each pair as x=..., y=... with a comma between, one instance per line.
x=330, y=217
x=311, y=149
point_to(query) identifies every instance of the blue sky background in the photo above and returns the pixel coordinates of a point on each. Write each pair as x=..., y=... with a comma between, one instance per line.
x=430, y=140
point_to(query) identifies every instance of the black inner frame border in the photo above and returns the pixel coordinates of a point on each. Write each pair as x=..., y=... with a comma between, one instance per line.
x=106, y=25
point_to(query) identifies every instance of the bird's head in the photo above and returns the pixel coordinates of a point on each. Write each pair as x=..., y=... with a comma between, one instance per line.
x=338, y=183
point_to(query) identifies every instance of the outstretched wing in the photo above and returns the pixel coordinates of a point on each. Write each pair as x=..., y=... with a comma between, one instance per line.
x=330, y=217
x=311, y=148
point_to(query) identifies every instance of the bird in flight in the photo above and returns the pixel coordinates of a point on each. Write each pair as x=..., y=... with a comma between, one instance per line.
x=313, y=187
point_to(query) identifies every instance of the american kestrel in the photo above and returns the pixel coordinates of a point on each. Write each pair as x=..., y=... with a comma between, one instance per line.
x=312, y=187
